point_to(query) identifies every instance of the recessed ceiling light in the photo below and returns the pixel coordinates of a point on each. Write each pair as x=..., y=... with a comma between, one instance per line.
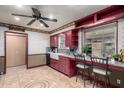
x=41, y=24
x=17, y=18
x=19, y=5
x=51, y=16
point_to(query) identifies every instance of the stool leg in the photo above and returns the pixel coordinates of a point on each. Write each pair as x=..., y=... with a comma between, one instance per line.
x=108, y=81
x=94, y=80
x=84, y=76
x=77, y=75
x=97, y=79
x=89, y=74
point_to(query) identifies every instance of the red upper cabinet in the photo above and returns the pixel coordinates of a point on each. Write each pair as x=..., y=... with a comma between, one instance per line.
x=54, y=41
x=71, y=38
x=68, y=35
x=51, y=40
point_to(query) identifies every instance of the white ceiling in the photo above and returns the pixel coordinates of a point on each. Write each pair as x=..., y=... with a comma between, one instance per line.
x=63, y=13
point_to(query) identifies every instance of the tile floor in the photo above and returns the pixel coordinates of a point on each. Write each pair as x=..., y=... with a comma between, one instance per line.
x=40, y=77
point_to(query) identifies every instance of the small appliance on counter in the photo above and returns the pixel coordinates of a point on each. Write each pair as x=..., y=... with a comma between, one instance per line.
x=73, y=49
x=52, y=49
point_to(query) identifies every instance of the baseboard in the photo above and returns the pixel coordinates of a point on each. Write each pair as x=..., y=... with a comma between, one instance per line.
x=36, y=66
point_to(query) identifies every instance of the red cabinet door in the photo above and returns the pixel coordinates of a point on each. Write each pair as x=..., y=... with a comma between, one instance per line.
x=68, y=66
x=65, y=65
x=68, y=38
x=61, y=64
x=54, y=41
x=50, y=40
x=64, y=61
x=54, y=64
x=57, y=65
x=73, y=68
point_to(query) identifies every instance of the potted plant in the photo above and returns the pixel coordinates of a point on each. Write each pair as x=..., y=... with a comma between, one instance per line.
x=116, y=57
x=86, y=50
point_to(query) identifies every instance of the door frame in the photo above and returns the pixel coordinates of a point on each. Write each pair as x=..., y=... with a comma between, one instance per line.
x=26, y=56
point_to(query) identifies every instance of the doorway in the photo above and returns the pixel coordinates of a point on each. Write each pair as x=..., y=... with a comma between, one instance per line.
x=16, y=49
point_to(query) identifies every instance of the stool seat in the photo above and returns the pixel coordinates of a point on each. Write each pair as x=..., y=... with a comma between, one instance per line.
x=101, y=71
x=81, y=66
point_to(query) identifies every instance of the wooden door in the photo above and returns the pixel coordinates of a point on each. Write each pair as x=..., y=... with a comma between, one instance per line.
x=16, y=52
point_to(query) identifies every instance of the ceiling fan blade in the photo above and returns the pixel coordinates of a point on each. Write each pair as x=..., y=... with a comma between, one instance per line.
x=31, y=22
x=36, y=12
x=42, y=22
x=22, y=15
x=48, y=19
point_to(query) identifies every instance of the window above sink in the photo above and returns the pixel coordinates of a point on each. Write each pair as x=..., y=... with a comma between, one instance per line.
x=61, y=42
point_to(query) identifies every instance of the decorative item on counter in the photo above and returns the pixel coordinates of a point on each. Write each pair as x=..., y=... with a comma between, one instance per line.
x=117, y=57
x=122, y=55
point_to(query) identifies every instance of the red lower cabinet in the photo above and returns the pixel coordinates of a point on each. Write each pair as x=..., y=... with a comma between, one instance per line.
x=65, y=65
x=62, y=64
x=71, y=69
x=54, y=41
x=54, y=63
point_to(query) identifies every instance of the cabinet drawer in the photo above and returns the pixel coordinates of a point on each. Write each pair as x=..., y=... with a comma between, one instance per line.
x=63, y=58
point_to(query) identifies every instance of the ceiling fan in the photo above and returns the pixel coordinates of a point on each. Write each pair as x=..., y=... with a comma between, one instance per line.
x=36, y=16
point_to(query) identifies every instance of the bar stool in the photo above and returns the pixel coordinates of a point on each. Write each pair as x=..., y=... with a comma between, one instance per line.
x=100, y=68
x=81, y=66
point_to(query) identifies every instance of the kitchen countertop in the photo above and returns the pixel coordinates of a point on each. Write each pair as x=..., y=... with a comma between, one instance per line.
x=62, y=54
x=113, y=64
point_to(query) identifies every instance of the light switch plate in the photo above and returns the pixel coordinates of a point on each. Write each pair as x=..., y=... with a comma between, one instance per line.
x=118, y=81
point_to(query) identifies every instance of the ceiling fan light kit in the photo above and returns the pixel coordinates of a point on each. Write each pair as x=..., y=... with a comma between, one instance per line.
x=36, y=16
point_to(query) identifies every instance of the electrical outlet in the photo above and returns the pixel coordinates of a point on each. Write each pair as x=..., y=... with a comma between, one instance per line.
x=1, y=73
x=118, y=81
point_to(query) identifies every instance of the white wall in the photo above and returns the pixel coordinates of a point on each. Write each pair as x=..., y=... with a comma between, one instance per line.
x=120, y=34
x=37, y=42
x=80, y=40
x=2, y=29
